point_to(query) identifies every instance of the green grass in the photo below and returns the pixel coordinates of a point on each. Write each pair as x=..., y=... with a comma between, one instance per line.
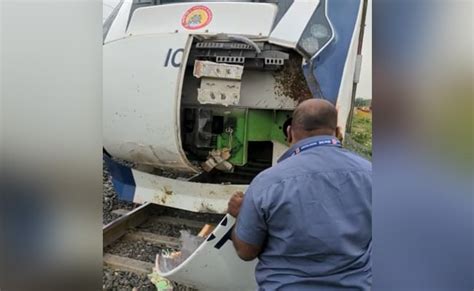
x=360, y=140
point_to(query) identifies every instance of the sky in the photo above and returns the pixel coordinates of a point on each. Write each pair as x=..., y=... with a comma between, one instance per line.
x=364, y=88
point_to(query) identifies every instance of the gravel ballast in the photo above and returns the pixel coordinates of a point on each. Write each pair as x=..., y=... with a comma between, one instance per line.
x=141, y=250
x=138, y=250
x=114, y=280
x=118, y=280
x=110, y=201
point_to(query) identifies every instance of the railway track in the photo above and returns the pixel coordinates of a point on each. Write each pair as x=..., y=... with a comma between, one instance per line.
x=132, y=241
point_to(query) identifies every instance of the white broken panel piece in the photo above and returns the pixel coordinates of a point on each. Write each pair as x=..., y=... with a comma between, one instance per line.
x=220, y=83
x=217, y=70
x=218, y=91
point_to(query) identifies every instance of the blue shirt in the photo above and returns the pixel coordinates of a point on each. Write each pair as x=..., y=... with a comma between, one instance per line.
x=312, y=214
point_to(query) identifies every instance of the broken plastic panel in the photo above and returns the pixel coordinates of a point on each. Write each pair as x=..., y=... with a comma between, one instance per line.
x=168, y=260
x=214, y=265
x=220, y=82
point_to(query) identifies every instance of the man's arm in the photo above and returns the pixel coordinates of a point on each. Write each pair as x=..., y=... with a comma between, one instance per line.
x=245, y=250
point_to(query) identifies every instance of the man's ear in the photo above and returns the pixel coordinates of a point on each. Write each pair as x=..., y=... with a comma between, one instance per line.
x=289, y=136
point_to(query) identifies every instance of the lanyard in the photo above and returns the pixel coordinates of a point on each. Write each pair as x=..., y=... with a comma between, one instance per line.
x=329, y=141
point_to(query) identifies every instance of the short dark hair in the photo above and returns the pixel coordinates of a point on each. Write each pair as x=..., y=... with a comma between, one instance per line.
x=310, y=117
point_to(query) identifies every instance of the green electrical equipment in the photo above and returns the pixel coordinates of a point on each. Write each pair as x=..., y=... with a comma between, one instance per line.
x=253, y=125
x=224, y=138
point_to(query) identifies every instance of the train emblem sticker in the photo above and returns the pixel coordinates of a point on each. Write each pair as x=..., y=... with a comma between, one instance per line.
x=196, y=17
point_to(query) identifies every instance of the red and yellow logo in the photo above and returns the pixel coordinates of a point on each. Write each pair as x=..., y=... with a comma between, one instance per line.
x=196, y=17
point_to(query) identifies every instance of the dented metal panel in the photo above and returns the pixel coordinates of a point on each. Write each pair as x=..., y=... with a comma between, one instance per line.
x=192, y=196
x=141, y=98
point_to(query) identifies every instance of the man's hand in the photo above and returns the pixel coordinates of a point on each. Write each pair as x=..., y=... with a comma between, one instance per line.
x=245, y=251
x=233, y=207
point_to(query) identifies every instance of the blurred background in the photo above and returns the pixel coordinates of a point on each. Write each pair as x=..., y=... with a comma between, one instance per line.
x=51, y=148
